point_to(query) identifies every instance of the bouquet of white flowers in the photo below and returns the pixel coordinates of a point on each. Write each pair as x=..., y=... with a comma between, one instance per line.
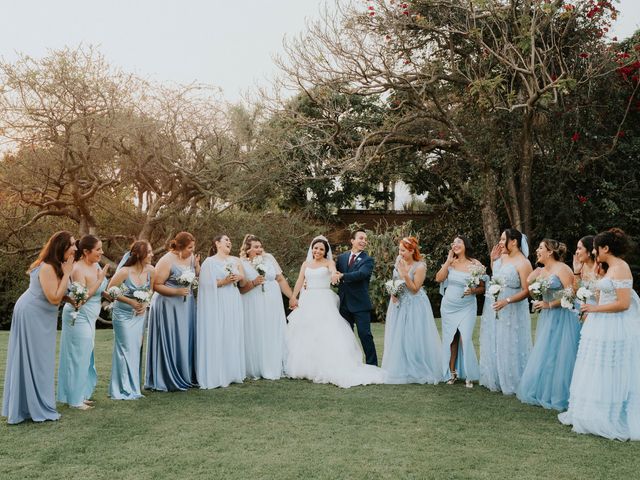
x=142, y=295
x=567, y=299
x=78, y=293
x=230, y=269
x=538, y=287
x=582, y=296
x=395, y=287
x=113, y=293
x=186, y=279
x=475, y=275
x=259, y=265
x=495, y=287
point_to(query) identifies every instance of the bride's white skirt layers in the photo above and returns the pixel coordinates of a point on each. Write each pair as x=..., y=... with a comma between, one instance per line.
x=322, y=347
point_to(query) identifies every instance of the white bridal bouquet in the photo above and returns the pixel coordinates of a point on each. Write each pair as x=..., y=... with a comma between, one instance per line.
x=395, y=287
x=538, y=287
x=475, y=275
x=259, y=265
x=186, y=279
x=78, y=293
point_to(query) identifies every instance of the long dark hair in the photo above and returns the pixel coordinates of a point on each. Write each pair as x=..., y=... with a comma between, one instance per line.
x=53, y=252
x=514, y=234
x=181, y=241
x=468, y=249
x=587, y=243
x=88, y=242
x=137, y=253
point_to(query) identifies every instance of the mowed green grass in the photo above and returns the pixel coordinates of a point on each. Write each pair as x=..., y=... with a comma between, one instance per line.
x=296, y=429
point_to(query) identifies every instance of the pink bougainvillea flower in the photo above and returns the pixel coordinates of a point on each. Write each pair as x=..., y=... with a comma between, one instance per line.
x=582, y=199
x=575, y=137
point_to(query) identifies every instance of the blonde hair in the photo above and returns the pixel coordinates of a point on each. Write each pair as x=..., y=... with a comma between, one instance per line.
x=249, y=238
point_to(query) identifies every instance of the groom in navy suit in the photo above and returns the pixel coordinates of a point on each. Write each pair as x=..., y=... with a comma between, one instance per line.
x=355, y=268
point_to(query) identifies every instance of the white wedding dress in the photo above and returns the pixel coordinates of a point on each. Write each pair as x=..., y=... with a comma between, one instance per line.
x=321, y=346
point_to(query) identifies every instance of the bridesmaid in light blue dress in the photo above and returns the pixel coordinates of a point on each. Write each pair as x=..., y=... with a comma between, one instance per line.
x=604, y=397
x=505, y=330
x=77, y=376
x=412, y=347
x=128, y=315
x=220, y=357
x=171, y=334
x=459, y=309
x=264, y=316
x=29, y=391
x=547, y=376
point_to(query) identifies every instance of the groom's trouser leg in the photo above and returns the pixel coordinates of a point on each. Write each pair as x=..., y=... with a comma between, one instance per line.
x=363, y=322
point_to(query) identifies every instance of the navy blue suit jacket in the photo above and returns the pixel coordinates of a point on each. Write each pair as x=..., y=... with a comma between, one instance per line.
x=353, y=288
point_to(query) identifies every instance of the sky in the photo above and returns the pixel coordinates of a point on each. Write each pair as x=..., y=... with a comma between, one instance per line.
x=229, y=44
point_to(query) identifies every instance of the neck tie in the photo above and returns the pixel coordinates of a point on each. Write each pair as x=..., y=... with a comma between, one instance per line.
x=352, y=259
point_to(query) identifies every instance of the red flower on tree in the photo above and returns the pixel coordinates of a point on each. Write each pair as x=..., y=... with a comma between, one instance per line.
x=575, y=137
x=582, y=199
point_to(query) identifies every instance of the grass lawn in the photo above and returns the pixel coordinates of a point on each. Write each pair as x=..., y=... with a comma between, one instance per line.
x=295, y=429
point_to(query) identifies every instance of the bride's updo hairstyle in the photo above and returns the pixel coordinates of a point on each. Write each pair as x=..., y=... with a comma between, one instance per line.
x=558, y=249
x=411, y=244
x=615, y=239
x=181, y=241
x=323, y=242
x=246, y=244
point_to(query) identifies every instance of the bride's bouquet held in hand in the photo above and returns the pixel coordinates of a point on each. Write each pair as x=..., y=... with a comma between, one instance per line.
x=475, y=276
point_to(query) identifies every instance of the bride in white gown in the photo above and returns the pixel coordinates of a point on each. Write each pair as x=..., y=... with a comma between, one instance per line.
x=321, y=346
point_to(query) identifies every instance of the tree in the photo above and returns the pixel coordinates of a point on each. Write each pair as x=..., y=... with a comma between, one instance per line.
x=467, y=82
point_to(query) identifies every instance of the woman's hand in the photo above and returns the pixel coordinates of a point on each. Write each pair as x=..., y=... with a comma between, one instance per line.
x=103, y=273
x=577, y=264
x=538, y=305
x=402, y=268
x=293, y=303
x=496, y=251
x=467, y=291
x=259, y=280
x=139, y=308
x=499, y=305
x=450, y=257
x=67, y=266
x=588, y=307
x=182, y=292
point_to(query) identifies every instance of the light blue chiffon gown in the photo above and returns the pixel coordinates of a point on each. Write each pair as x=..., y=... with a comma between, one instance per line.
x=604, y=397
x=220, y=357
x=170, y=362
x=264, y=323
x=77, y=376
x=459, y=314
x=29, y=391
x=505, y=337
x=126, y=361
x=412, y=346
x=547, y=376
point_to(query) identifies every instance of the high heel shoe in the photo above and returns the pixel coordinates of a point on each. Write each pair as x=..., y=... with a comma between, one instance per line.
x=454, y=377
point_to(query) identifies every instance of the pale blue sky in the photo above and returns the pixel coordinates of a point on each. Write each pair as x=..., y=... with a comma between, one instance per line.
x=224, y=43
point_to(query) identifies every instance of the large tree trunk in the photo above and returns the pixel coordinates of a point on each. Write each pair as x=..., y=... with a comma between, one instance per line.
x=526, y=173
x=488, y=204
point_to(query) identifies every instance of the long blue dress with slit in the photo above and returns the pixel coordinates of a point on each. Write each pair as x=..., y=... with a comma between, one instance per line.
x=459, y=314
x=547, y=376
x=77, y=376
x=128, y=330
x=29, y=391
x=170, y=364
